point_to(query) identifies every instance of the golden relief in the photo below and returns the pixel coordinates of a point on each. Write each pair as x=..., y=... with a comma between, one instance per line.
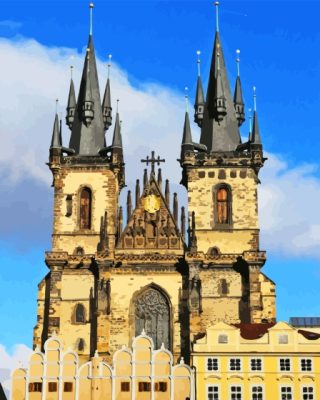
x=151, y=203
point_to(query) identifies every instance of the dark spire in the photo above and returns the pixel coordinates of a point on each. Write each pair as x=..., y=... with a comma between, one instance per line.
x=137, y=192
x=220, y=126
x=175, y=207
x=145, y=178
x=72, y=104
x=106, y=104
x=255, y=135
x=167, y=193
x=199, y=101
x=120, y=221
x=56, y=134
x=129, y=205
x=186, y=144
x=238, y=98
x=160, y=179
x=87, y=136
x=183, y=223
x=117, y=139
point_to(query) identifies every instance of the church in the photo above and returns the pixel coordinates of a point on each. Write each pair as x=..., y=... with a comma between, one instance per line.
x=115, y=271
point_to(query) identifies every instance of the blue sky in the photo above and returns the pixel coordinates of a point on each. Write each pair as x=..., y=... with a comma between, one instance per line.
x=153, y=45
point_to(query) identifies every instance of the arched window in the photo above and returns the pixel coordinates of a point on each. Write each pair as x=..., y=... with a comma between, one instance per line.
x=79, y=314
x=85, y=208
x=223, y=205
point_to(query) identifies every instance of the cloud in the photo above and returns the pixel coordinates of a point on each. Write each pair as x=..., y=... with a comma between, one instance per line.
x=9, y=361
x=12, y=25
x=33, y=76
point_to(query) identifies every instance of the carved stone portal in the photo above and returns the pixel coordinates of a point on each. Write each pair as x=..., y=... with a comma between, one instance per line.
x=153, y=315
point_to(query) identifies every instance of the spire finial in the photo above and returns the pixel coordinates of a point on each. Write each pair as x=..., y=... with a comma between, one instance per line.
x=57, y=104
x=117, y=105
x=71, y=71
x=91, y=5
x=186, y=96
x=216, y=3
x=109, y=64
x=198, y=61
x=254, y=99
x=250, y=120
x=238, y=61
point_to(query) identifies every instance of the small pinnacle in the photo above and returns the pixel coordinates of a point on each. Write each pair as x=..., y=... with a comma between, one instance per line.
x=238, y=61
x=186, y=96
x=216, y=3
x=118, y=105
x=198, y=61
x=91, y=5
x=57, y=104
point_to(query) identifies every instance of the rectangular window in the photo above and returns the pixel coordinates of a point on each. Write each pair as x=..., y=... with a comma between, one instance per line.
x=144, y=387
x=160, y=387
x=257, y=393
x=286, y=393
x=235, y=364
x=125, y=386
x=67, y=386
x=52, y=386
x=213, y=393
x=236, y=393
x=212, y=364
x=285, y=364
x=35, y=387
x=307, y=393
x=223, y=339
x=256, y=364
x=306, y=364
x=283, y=339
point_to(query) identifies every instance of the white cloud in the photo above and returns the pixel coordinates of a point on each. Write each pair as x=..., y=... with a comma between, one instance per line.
x=10, y=361
x=33, y=76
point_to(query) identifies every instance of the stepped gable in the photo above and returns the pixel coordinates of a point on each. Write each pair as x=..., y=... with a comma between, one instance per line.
x=151, y=225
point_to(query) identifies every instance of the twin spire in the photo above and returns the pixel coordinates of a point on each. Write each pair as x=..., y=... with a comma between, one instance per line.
x=87, y=117
x=220, y=114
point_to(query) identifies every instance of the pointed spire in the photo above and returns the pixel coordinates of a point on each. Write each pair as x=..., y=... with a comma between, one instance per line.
x=183, y=223
x=145, y=178
x=255, y=136
x=137, y=192
x=87, y=136
x=129, y=205
x=238, y=98
x=120, y=221
x=167, y=193
x=160, y=179
x=175, y=207
x=250, y=124
x=117, y=139
x=186, y=144
x=56, y=137
x=219, y=130
x=199, y=102
x=72, y=104
x=106, y=104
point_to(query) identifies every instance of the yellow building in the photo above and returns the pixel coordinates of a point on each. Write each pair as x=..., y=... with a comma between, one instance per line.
x=140, y=372
x=257, y=362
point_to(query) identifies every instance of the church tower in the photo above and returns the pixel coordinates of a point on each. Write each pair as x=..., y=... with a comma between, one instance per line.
x=221, y=177
x=166, y=273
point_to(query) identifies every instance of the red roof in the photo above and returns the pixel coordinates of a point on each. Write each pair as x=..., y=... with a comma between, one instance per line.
x=253, y=331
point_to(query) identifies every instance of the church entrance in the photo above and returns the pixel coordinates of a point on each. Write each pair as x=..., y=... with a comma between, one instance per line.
x=152, y=313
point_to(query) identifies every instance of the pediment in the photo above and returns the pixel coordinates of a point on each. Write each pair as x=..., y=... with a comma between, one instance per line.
x=151, y=225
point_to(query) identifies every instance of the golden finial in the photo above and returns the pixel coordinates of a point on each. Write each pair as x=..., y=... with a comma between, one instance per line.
x=186, y=96
x=216, y=4
x=198, y=61
x=109, y=64
x=91, y=5
x=238, y=61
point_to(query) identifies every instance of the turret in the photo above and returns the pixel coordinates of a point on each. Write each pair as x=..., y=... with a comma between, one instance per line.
x=199, y=101
x=237, y=98
x=72, y=104
x=106, y=104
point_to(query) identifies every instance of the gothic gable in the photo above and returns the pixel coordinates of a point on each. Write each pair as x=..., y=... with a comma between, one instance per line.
x=151, y=225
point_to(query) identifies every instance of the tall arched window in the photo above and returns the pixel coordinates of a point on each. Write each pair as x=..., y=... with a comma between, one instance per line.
x=79, y=313
x=85, y=208
x=223, y=205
